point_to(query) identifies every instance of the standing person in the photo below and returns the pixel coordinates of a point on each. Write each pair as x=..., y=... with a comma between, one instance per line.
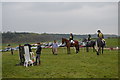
x=21, y=54
x=54, y=47
x=11, y=49
x=71, y=38
x=38, y=53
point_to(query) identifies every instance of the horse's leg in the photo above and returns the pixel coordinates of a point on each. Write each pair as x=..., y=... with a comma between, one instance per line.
x=102, y=49
x=87, y=48
x=93, y=48
x=52, y=50
x=99, y=50
x=99, y=46
x=76, y=49
x=68, y=49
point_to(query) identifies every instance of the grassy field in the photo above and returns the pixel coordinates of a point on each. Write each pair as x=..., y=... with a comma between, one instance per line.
x=81, y=65
x=112, y=42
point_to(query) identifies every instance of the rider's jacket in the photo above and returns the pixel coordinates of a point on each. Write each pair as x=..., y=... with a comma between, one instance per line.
x=100, y=35
x=71, y=37
x=89, y=38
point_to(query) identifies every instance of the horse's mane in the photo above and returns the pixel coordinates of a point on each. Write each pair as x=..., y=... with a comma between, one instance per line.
x=64, y=38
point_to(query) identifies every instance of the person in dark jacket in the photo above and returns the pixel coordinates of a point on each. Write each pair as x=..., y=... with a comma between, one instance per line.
x=10, y=47
x=38, y=53
x=71, y=38
x=21, y=54
x=89, y=37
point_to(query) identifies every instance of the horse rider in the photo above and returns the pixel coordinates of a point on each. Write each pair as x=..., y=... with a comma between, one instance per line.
x=100, y=36
x=71, y=38
x=89, y=37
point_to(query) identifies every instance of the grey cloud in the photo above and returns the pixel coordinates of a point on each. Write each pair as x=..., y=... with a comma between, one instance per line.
x=1, y=24
x=60, y=17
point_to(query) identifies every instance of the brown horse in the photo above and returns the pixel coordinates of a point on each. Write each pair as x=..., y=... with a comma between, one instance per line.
x=68, y=45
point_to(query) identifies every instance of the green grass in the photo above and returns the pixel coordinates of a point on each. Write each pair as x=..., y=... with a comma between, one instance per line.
x=112, y=42
x=0, y=59
x=81, y=65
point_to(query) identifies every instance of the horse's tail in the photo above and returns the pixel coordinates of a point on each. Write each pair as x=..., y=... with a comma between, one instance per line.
x=78, y=47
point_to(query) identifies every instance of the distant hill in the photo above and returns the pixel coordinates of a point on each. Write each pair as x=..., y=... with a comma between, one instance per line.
x=24, y=37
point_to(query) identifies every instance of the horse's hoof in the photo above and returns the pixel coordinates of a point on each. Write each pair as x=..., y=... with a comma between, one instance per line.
x=97, y=53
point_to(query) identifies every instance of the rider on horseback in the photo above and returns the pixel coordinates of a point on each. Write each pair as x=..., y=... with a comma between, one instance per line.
x=71, y=38
x=101, y=36
x=89, y=37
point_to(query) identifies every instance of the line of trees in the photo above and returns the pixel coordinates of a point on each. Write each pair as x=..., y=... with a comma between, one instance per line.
x=25, y=37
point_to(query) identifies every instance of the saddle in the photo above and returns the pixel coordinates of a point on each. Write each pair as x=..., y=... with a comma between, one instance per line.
x=72, y=42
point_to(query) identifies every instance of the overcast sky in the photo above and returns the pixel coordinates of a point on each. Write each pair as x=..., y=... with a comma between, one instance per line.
x=60, y=17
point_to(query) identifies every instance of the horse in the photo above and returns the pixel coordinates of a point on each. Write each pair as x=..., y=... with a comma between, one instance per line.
x=98, y=45
x=68, y=45
x=88, y=44
x=95, y=44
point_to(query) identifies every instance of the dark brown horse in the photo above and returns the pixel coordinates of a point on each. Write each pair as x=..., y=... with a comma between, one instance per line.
x=68, y=45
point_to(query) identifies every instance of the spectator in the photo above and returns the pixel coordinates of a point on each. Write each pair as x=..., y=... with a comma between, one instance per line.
x=54, y=47
x=38, y=53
